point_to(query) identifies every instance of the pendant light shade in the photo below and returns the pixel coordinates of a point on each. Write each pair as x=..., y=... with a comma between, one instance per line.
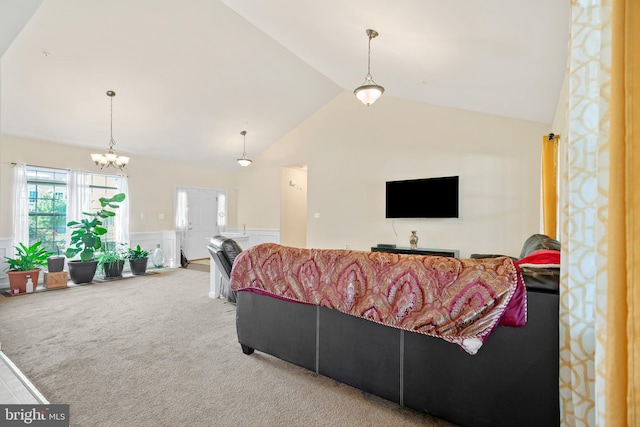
x=244, y=161
x=110, y=158
x=369, y=91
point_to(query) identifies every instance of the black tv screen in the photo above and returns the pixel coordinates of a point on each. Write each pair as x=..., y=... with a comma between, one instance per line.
x=422, y=198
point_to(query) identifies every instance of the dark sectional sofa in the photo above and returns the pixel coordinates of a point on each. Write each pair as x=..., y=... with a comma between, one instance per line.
x=511, y=381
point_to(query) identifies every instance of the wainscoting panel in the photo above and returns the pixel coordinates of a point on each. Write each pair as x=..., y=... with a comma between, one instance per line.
x=6, y=249
x=252, y=236
x=166, y=238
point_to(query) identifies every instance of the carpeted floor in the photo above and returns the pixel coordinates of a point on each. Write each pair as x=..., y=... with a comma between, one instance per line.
x=156, y=351
x=200, y=264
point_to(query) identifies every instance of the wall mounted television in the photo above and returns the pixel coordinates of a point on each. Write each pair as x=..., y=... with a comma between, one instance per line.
x=422, y=198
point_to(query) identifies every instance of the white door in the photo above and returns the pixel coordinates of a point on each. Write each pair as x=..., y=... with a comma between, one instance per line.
x=201, y=221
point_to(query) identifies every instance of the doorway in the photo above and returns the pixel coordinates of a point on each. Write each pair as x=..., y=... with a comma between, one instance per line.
x=293, y=206
x=200, y=215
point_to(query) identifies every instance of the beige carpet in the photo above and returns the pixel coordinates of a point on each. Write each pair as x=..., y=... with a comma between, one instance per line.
x=203, y=264
x=156, y=351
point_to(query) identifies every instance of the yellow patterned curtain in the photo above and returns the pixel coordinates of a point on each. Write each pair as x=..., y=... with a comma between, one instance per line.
x=622, y=362
x=550, y=183
x=600, y=219
x=583, y=280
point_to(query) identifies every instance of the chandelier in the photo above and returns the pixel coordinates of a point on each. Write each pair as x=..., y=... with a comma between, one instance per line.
x=244, y=160
x=110, y=158
x=369, y=91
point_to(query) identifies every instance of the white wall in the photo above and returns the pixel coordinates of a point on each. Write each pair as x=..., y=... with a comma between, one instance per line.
x=351, y=150
x=293, y=207
x=152, y=182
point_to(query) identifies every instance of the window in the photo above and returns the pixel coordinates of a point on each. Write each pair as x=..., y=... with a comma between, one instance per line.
x=222, y=211
x=47, y=207
x=47, y=189
x=104, y=186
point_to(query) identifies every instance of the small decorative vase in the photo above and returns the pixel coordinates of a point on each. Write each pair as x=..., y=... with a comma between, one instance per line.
x=157, y=258
x=413, y=240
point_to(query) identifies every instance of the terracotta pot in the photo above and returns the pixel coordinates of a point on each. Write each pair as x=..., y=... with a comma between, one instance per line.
x=19, y=279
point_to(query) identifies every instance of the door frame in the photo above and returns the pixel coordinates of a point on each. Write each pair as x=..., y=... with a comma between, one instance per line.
x=180, y=233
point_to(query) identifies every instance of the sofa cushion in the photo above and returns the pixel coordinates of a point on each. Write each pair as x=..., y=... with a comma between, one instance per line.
x=538, y=242
x=540, y=262
x=479, y=256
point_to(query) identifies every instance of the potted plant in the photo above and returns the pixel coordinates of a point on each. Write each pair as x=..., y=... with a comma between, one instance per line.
x=138, y=260
x=86, y=240
x=55, y=263
x=26, y=263
x=111, y=262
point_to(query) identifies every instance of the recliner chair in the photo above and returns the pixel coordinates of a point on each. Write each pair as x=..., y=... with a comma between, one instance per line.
x=224, y=251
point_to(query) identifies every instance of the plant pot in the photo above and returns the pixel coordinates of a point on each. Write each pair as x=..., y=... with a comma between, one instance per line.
x=19, y=279
x=82, y=271
x=113, y=269
x=138, y=266
x=55, y=264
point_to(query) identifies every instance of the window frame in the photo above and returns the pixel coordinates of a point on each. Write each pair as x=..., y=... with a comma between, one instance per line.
x=58, y=241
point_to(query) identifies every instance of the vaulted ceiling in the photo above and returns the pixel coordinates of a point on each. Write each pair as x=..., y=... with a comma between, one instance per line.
x=189, y=75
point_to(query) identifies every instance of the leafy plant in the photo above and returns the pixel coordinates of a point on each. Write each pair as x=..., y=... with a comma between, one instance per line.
x=109, y=256
x=85, y=239
x=137, y=253
x=28, y=258
x=59, y=246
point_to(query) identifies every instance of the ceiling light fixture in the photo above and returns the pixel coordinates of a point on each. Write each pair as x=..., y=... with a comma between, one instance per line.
x=244, y=160
x=110, y=158
x=369, y=91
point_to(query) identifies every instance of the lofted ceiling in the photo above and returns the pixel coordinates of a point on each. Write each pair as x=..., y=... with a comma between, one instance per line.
x=189, y=75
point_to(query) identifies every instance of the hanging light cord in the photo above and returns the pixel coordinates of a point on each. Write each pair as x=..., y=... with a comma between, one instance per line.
x=111, y=142
x=369, y=59
x=244, y=143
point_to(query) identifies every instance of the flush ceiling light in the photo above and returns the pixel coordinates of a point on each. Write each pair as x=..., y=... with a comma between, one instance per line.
x=369, y=91
x=244, y=160
x=110, y=158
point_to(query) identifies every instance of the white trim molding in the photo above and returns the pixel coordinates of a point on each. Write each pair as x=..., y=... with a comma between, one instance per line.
x=167, y=239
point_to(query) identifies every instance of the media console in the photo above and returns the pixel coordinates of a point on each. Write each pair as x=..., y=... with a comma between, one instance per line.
x=420, y=251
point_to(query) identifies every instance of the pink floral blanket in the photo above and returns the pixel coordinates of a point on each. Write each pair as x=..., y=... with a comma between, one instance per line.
x=459, y=300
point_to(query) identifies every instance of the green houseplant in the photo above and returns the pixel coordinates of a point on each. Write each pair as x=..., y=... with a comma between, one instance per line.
x=111, y=262
x=26, y=263
x=138, y=259
x=86, y=239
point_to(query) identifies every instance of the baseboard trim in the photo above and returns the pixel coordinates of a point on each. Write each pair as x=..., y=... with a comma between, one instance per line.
x=23, y=379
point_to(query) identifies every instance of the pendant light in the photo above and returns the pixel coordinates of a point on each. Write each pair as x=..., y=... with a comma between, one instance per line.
x=369, y=91
x=244, y=160
x=110, y=158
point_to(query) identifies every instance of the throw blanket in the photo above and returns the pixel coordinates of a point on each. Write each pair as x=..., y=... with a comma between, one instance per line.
x=546, y=258
x=459, y=300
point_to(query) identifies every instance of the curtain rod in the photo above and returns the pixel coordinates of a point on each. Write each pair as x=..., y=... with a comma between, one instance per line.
x=69, y=170
x=43, y=167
